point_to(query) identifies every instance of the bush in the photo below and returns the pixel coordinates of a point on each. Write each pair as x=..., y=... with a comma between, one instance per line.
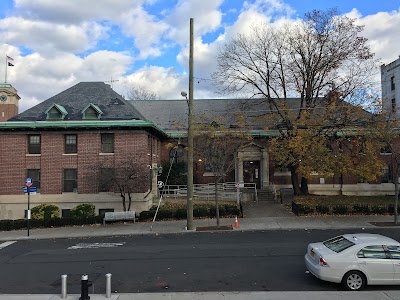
x=147, y=215
x=359, y=208
x=181, y=213
x=7, y=225
x=304, y=209
x=200, y=212
x=391, y=209
x=83, y=210
x=379, y=210
x=45, y=211
x=322, y=209
x=165, y=214
x=340, y=209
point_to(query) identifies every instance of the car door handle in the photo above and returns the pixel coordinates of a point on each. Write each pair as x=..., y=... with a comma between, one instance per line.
x=362, y=263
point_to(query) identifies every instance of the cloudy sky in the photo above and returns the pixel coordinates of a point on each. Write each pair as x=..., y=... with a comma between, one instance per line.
x=144, y=43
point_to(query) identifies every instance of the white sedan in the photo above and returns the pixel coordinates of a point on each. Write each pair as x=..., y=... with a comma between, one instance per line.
x=355, y=260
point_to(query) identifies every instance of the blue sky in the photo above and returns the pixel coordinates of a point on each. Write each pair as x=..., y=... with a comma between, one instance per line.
x=144, y=43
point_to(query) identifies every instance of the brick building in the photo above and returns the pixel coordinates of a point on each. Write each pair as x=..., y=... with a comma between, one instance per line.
x=8, y=101
x=73, y=142
x=64, y=144
x=390, y=78
x=253, y=162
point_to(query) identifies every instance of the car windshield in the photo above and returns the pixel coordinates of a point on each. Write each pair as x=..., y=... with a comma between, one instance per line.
x=338, y=244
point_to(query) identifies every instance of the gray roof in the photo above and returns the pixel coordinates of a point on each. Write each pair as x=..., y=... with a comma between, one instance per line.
x=77, y=97
x=171, y=115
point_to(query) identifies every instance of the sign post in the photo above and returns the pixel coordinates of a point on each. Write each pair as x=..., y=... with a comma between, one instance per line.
x=28, y=184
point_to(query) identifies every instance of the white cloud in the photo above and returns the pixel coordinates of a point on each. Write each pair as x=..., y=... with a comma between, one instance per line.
x=44, y=77
x=205, y=54
x=46, y=37
x=206, y=14
x=382, y=30
x=145, y=30
x=56, y=30
x=74, y=11
x=103, y=65
x=163, y=81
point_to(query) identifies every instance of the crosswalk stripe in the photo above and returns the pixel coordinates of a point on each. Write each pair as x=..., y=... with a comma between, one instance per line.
x=95, y=245
x=5, y=244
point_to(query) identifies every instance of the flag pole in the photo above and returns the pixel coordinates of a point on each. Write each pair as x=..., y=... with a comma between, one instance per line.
x=5, y=79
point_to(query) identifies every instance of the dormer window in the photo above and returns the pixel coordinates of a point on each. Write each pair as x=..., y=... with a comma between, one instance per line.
x=56, y=112
x=91, y=112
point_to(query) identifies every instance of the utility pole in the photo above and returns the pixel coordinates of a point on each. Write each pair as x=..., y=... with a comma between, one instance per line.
x=190, y=137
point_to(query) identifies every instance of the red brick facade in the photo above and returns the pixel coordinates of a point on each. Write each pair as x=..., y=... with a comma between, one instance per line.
x=129, y=145
x=7, y=111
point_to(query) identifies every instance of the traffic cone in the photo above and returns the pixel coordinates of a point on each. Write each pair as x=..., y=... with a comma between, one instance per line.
x=236, y=222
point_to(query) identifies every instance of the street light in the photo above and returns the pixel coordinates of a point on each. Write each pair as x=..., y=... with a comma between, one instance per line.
x=190, y=134
x=189, y=200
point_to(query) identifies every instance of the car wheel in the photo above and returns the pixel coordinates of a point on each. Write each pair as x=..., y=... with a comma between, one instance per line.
x=354, y=281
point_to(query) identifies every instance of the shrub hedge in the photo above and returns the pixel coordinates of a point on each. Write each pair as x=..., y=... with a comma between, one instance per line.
x=340, y=209
x=7, y=225
x=83, y=214
x=199, y=211
x=83, y=210
x=45, y=211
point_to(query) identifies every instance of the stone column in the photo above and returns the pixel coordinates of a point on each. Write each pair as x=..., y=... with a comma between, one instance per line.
x=154, y=187
x=265, y=168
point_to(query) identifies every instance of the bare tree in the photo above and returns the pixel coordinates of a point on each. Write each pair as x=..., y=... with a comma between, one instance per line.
x=141, y=93
x=311, y=60
x=215, y=144
x=125, y=178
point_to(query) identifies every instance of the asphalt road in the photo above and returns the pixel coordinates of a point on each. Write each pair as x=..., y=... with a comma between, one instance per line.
x=218, y=261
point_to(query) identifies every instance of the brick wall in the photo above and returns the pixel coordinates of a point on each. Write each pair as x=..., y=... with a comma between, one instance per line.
x=14, y=160
x=7, y=111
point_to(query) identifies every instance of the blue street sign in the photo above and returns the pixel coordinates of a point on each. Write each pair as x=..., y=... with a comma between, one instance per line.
x=28, y=180
x=32, y=189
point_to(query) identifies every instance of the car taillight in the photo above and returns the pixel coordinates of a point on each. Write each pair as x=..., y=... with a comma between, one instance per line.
x=322, y=262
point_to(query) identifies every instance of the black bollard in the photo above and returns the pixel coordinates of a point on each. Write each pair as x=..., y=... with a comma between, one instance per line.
x=85, y=284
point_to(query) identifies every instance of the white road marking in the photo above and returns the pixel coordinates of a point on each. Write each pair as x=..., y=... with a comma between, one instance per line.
x=5, y=244
x=95, y=245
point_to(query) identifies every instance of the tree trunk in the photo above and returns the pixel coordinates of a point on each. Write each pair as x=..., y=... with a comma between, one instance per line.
x=341, y=183
x=129, y=201
x=304, y=186
x=123, y=201
x=216, y=201
x=295, y=180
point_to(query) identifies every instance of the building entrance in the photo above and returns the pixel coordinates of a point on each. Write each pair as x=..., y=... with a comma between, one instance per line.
x=251, y=172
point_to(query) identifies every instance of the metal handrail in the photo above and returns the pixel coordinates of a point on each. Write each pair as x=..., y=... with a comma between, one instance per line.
x=226, y=190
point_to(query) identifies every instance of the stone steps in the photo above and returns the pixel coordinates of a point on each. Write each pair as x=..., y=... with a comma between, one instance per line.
x=265, y=195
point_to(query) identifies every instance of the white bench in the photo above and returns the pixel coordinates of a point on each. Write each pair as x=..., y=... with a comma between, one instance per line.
x=119, y=216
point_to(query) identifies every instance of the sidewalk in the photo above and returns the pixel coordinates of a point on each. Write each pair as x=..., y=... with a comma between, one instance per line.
x=381, y=295
x=162, y=227
x=290, y=222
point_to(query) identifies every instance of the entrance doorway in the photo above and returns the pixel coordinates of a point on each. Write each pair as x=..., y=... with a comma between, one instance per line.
x=251, y=172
